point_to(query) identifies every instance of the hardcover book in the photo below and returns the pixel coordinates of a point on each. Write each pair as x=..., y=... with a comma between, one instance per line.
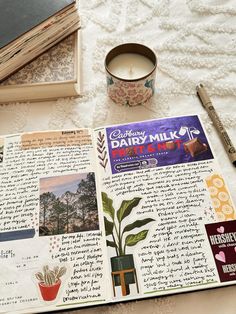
x=30, y=27
x=56, y=73
x=19, y=17
x=117, y=213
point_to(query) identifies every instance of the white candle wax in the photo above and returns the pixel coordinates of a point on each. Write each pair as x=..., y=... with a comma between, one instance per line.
x=130, y=66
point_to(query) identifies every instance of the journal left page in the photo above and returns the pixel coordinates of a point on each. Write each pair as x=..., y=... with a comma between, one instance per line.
x=52, y=252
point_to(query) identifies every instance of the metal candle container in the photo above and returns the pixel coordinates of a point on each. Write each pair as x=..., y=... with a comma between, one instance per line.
x=130, y=72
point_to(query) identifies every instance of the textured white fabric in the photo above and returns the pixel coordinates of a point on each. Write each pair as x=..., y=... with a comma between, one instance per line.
x=195, y=41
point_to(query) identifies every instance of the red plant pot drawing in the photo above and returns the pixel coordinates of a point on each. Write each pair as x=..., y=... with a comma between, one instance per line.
x=49, y=293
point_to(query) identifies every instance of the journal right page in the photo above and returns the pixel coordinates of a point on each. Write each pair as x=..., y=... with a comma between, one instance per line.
x=168, y=215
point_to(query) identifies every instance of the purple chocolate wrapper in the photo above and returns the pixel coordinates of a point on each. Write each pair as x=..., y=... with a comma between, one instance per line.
x=143, y=144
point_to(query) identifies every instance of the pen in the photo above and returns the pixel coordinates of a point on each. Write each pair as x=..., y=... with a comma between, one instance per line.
x=207, y=104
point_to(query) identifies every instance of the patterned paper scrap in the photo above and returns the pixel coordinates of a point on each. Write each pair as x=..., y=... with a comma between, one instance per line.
x=220, y=198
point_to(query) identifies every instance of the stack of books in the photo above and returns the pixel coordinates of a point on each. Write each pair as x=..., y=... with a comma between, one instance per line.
x=29, y=28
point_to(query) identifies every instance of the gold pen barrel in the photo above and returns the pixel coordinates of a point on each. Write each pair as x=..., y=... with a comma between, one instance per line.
x=203, y=95
x=207, y=104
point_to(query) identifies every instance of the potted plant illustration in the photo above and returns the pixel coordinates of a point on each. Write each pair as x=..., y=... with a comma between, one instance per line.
x=50, y=282
x=122, y=265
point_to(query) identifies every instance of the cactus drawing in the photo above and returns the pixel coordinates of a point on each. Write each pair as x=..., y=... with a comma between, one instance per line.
x=49, y=281
x=50, y=277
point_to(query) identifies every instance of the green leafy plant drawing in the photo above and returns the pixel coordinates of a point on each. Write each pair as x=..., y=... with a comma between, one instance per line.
x=115, y=228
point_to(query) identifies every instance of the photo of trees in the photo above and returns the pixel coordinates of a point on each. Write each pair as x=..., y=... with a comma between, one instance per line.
x=68, y=204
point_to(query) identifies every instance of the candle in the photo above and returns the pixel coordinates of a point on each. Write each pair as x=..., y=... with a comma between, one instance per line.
x=131, y=70
x=130, y=66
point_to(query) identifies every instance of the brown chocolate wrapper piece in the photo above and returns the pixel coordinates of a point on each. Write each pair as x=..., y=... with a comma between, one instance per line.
x=170, y=145
x=195, y=147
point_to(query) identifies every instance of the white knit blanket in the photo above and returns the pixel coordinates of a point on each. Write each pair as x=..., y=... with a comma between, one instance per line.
x=195, y=41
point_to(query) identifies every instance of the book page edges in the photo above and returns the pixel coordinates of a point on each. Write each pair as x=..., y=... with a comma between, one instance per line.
x=77, y=62
x=47, y=90
x=38, y=92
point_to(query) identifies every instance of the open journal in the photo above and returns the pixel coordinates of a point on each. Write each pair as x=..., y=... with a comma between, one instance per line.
x=112, y=214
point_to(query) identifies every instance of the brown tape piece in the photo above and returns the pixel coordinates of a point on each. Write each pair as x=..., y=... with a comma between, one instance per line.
x=55, y=138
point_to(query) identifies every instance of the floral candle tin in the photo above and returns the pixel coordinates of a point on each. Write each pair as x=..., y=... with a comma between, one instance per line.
x=131, y=71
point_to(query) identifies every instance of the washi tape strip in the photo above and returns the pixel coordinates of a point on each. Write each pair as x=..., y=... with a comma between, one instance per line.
x=220, y=197
x=17, y=235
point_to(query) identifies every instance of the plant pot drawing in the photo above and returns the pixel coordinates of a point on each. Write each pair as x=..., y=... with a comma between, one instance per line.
x=122, y=266
x=123, y=270
x=49, y=293
x=50, y=282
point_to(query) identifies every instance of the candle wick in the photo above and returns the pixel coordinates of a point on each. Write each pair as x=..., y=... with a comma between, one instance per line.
x=131, y=69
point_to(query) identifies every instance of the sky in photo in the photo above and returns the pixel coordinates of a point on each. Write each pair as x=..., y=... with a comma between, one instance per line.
x=60, y=184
